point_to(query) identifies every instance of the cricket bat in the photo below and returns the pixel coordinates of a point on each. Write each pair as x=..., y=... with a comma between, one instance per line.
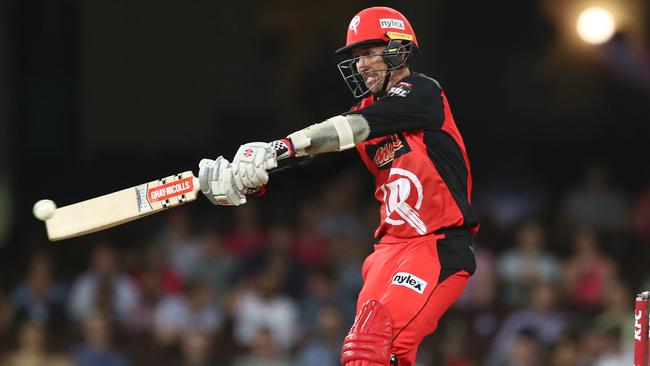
x=122, y=206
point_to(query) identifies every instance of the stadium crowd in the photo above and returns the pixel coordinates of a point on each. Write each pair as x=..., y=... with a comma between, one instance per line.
x=553, y=286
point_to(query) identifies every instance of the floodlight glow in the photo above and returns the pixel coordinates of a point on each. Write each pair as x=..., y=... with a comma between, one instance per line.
x=596, y=25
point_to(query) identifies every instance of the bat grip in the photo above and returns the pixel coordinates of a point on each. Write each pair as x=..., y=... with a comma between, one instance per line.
x=196, y=185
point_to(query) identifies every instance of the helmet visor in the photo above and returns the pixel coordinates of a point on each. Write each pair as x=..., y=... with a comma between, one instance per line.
x=394, y=58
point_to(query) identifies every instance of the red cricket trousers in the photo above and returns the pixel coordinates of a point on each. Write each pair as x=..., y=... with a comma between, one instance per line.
x=417, y=281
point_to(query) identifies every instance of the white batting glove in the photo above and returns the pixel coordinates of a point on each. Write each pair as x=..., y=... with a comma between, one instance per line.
x=216, y=180
x=251, y=163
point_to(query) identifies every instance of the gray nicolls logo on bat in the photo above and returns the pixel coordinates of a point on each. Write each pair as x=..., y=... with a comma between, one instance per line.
x=408, y=280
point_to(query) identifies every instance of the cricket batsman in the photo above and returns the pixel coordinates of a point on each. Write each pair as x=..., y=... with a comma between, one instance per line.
x=404, y=132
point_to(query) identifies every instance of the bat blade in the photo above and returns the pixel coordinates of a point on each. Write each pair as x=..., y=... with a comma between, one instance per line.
x=119, y=207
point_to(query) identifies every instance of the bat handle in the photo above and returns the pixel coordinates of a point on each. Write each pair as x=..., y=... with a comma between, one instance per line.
x=196, y=185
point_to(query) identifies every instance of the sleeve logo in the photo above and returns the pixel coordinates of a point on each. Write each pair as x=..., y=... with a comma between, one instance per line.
x=400, y=90
x=410, y=281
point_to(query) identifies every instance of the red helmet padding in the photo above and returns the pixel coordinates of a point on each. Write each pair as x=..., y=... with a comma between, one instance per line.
x=371, y=26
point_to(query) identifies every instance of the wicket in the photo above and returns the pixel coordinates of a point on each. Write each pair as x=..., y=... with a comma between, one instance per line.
x=641, y=329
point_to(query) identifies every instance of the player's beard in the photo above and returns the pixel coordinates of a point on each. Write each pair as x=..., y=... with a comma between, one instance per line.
x=374, y=80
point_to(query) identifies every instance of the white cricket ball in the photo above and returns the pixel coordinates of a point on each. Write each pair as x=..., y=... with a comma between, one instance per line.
x=44, y=209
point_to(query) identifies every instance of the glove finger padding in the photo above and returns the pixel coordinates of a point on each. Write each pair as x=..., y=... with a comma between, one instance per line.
x=237, y=177
x=260, y=156
x=247, y=174
x=258, y=175
x=224, y=193
x=208, y=171
x=251, y=162
x=217, y=184
x=271, y=163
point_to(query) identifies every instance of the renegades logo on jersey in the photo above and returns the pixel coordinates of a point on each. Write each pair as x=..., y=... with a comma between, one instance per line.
x=385, y=151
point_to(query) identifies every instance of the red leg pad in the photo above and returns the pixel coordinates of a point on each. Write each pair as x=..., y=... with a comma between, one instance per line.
x=369, y=340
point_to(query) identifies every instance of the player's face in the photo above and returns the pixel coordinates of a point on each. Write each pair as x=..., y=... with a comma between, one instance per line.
x=371, y=66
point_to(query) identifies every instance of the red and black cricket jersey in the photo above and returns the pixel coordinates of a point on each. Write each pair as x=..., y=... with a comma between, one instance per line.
x=418, y=158
x=416, y=155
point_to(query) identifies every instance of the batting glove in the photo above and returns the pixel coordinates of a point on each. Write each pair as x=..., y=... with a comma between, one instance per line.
x=251, y=163
x=217, y=184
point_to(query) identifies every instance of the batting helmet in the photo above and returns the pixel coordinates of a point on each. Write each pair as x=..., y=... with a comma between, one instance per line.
x=372, y=27
x=375, y=26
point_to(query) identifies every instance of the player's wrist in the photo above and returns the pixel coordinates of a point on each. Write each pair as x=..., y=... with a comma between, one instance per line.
x=284, y=148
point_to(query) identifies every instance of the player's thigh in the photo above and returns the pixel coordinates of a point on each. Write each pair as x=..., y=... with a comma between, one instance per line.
x=410, y=329
x=425, y=284
x=374, y=278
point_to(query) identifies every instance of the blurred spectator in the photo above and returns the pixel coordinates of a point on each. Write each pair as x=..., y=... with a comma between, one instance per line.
x=6, y=312
x=180, y=246
x=264, y=307
x=565, y=353
x=38, y=298
x=453, y=350
x=522, y=267
x=97, y=347
x=157, y=264
x=104, y=287
x=141, y=318
x=324, y=346
x=542, y=318
x=155, y=279
x=339, y=207
x=481, y=289
x=264, y=352
x=347, y=257
x=611, y=349
x=195, y=349
x=216, y=266
x=319, y=292
x=524, y=350
x=509, y=198
x=277, y=253
x=594, y=203
x=176, y=315
x=586, y=271
x=641, y=214
x=310, y=246
x=614, y=321
x=245, y=235
x=32, y=349
x=590, y=343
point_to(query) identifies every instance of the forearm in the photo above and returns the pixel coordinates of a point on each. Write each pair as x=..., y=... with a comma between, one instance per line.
x=335, y=134
x=254, y=160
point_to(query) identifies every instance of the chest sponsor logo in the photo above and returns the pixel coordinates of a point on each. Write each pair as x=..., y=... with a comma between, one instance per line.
x=387, y=150
x=400, y=90
x=402, y=196
x=391, y=23
x=408, y=280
